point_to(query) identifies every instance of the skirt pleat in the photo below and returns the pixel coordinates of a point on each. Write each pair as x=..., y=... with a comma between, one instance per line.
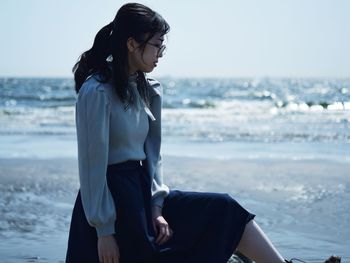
x=207, y=226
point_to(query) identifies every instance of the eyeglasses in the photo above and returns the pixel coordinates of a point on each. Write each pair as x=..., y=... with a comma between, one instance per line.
x=160, y=48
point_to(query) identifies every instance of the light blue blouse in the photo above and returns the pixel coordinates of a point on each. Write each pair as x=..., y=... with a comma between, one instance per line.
x=106, y=134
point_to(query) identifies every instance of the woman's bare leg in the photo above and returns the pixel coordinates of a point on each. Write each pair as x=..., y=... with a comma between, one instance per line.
x=256, y=246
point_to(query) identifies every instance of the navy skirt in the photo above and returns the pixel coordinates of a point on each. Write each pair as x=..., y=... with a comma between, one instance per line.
x=207, y=227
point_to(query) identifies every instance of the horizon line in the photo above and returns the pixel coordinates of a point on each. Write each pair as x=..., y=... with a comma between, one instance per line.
x=188, y=77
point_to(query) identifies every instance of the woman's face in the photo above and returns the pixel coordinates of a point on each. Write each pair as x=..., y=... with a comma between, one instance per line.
x=147, y=60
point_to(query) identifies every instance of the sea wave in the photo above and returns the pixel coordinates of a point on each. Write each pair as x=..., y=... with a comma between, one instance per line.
x=198, y=109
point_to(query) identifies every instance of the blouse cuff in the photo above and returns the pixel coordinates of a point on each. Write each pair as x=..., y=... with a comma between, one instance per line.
x=105, y=230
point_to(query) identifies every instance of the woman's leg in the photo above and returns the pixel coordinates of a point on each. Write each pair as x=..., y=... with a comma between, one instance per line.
x=255, y=245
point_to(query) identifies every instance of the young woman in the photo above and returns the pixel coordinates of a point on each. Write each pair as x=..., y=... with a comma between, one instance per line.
x=124, y=213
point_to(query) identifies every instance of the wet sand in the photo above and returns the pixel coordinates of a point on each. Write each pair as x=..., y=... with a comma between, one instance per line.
x=302, y=205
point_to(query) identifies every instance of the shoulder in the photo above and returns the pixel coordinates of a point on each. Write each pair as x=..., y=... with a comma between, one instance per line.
x=156, y=87
x=93, y=87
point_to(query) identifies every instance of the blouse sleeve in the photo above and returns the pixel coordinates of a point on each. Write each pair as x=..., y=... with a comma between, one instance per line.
x=153, y=145
x=92, y=125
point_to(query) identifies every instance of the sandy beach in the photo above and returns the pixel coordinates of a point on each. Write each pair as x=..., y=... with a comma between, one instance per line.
x=300, y=204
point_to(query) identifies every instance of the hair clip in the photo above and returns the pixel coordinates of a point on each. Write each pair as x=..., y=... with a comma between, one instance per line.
x=109, y=58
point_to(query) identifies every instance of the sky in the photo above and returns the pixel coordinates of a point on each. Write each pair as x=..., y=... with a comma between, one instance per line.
x=222, y=38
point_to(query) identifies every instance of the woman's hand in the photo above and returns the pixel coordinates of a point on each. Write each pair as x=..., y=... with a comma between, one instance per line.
x=161, y=227
x=108, y=250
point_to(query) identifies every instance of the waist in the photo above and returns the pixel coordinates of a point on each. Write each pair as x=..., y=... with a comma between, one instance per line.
x=130, y=164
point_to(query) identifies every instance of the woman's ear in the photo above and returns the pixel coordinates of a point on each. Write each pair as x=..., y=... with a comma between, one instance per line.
x=131, y=44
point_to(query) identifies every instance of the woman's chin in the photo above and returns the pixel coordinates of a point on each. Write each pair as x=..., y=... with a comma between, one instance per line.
x=149, y=70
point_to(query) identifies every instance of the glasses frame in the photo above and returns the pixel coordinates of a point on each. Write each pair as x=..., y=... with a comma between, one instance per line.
x=160, y=48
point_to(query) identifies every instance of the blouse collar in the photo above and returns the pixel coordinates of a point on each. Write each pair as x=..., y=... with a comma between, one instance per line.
x=139, y=103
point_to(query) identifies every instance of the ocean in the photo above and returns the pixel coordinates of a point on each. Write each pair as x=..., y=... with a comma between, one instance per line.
x=222, y=113
x=281, y=147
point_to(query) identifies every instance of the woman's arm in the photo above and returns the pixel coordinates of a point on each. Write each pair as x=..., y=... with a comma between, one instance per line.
x=92, y=123
x=153, y=145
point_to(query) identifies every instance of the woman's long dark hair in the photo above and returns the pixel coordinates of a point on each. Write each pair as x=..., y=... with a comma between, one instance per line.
x=132, y=20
